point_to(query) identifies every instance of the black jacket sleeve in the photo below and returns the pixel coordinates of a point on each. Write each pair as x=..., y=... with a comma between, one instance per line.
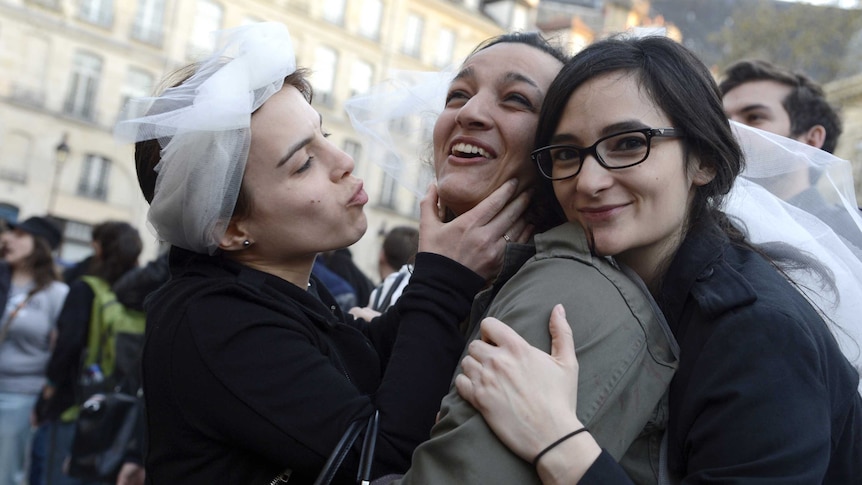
x=418, y=344
x=73, y=328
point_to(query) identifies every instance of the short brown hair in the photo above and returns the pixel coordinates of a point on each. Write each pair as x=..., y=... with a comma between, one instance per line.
x=806, y=104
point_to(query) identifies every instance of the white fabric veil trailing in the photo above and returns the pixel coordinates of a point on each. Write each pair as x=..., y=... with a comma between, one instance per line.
x=823, y=220
x=203, y=129
x=408, y=98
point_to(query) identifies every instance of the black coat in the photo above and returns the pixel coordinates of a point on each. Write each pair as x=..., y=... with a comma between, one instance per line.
x=762, y=393
x=245, y=374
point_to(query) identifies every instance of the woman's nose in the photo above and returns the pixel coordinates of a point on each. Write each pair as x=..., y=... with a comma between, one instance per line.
x=474, y=113
x=593, y=177
x=344, y=163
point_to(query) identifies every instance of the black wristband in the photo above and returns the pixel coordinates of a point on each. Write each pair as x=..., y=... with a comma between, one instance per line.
x=555, y=443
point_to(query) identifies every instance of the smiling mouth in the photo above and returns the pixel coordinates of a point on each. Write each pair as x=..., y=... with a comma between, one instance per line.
x=466, y=150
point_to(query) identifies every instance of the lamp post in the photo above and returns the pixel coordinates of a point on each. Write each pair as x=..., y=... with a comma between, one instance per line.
x=61, y=154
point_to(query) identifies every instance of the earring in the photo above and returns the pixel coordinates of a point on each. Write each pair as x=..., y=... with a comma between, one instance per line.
x=246, y=243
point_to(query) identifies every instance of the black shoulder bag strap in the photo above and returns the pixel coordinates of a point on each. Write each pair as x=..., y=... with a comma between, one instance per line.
x=333, y=463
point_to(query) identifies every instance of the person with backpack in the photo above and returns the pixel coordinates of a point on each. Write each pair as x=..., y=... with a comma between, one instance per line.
x=115, y=253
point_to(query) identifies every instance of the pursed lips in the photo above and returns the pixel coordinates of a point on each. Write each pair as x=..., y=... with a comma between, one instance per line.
x=359, y=197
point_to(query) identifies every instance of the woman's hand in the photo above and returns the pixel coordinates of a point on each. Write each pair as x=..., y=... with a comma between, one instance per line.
x=365, y=313
x=476, y=238
x=529, y=398
x=131, y=474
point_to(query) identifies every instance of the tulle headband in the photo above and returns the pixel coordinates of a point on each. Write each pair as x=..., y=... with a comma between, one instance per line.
x=203, y=129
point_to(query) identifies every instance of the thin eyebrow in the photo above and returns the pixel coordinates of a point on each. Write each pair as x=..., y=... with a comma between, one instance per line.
x=620, y=126
x=297, y=146
x=510, y=76
x=754, y=107
x=464, y=73
x=293, y=149
x=518, y=77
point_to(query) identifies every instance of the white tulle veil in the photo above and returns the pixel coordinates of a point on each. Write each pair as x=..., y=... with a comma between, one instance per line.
x=823, y=220
x=203, y=129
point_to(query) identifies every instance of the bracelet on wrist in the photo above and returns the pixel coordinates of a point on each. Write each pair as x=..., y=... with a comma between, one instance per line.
x=555, y=443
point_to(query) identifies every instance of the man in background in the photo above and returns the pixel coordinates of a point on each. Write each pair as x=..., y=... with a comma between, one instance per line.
x=787, y=103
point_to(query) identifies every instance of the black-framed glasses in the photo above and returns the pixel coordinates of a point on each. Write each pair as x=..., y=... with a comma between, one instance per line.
x=620, y=150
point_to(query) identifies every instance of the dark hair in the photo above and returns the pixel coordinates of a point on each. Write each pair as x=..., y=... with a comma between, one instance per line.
x=532, y=39
x=806, y=104
x=119, y=248
x=685, y=91
x=679, y=84
x=400, y=246
x=41, y=263
x=148, y=152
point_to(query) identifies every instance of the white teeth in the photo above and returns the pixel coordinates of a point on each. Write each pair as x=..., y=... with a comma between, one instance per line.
x=470, y=150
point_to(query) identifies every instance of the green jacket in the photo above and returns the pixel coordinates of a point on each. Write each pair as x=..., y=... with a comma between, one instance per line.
x=625, y=356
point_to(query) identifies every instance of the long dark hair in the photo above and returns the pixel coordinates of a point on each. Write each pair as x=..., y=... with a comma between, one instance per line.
x=41, y=263
x=684, y=89
x=119, y=247
x=679, y=84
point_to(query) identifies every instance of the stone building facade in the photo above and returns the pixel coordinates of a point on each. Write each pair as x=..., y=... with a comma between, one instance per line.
x=68, y=66
x=846, y=94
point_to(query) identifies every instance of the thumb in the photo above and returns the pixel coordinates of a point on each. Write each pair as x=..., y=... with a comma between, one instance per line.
x=562, y=343
x=428, y=206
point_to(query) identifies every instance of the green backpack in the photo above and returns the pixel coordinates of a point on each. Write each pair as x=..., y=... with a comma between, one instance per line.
x=113, y=354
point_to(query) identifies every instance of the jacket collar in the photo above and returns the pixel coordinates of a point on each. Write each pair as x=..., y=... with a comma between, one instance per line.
x=704, y=269
x=315, y=301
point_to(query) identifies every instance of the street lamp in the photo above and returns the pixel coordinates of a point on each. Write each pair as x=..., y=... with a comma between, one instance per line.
x=61, y=153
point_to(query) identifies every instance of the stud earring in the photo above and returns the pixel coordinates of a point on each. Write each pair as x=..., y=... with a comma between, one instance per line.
x=246, y=243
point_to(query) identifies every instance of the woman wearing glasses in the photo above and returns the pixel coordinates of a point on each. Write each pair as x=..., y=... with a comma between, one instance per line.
x=762, y=391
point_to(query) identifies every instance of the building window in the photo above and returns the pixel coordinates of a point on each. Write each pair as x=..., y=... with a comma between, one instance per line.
x=29, y=88
x=84, y=84
x=360, y=78
x=323, y=79
x=77, y=237
x=94, y=177
x=207, y=20
x=369, y=18
x=445, y=48
x=412, y=42
x=149, y=18
x=333, y=11
x=14, y=156
x=138, y=83
x=99, y=12
x=389, y=189
x=47, y=3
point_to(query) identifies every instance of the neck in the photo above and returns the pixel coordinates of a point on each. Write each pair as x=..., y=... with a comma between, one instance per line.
x=651, y=262
x=21, y=276
x=297, y=271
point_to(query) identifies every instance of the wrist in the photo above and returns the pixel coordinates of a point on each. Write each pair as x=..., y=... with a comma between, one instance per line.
x=567, y=462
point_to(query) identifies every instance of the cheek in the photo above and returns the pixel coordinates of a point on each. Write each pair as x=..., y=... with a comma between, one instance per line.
x=442, y=128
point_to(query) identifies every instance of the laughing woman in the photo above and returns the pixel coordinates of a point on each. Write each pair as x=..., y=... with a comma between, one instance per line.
x=250, y=368
x=635, y=147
